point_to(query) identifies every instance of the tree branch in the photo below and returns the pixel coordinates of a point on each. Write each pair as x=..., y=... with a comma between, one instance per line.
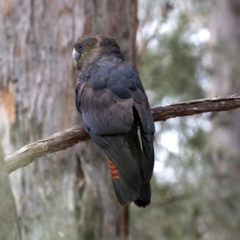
x=68, y=138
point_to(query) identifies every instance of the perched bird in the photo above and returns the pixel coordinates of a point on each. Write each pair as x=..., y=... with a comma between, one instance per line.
x=117, y=116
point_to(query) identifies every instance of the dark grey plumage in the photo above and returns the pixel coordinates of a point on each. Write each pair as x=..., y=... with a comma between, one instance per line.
x=113, y=104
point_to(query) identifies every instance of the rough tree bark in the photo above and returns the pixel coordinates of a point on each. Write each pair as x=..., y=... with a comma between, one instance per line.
x=100, y=216
x=37, y=88
x=225, y=42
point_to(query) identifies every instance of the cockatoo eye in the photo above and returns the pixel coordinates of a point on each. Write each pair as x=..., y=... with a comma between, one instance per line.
x=79, y=48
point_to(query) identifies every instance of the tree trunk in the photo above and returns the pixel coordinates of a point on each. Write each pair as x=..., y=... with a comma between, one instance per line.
x=37, y=91
x=9, y=227
x=225, y=42
x=37, y=88
x=100, y=216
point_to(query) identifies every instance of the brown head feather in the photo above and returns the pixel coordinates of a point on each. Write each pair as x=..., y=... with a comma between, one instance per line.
x=89, y=49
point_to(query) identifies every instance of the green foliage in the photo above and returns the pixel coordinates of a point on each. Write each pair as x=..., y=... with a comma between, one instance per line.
x=198, y=140
x=171, y=67
x=201, y=198
x=173, y=214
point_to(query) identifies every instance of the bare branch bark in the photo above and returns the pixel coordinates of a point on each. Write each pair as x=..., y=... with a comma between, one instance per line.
x=214, y=104
x=68, y=138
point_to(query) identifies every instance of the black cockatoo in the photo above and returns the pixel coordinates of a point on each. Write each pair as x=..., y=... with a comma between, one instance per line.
x=117, y=116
